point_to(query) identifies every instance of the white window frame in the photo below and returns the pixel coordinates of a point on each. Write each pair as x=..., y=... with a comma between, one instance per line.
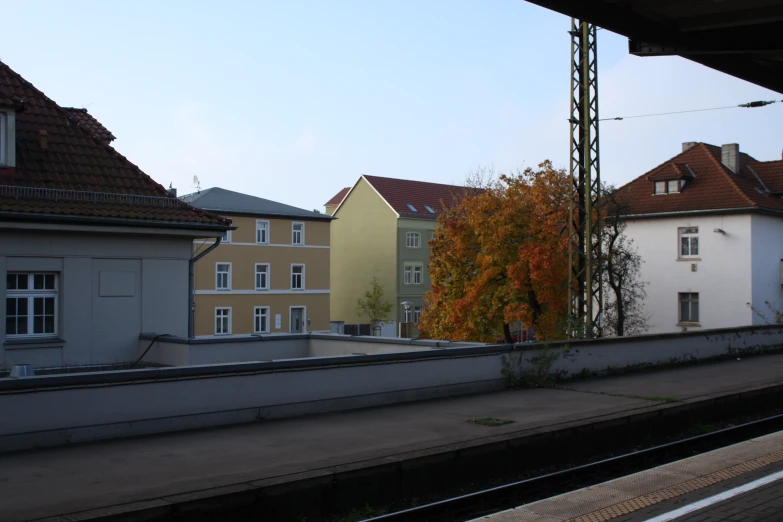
x=413, y=240
x=226, y=238
x=256, y=315
x=218, y=274
x=301, y=241
x=266, y=229
x=690, y=301
x=302, y=276
x=681, y=233
x=3, y=139
x=416, y=314
x=227, y=317
x=268, y=275
x=669, y=186
x=30, y=293
x=410, y=271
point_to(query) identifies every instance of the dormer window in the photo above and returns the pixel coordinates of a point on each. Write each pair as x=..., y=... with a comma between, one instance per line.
x=672, y=186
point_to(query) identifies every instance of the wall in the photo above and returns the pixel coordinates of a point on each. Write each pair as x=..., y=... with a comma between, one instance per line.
x=767, y=256
x=243, y=253
x=412, y=293
x=49, y=410
x=111, y=288
x=364, y=245
x=722, y=279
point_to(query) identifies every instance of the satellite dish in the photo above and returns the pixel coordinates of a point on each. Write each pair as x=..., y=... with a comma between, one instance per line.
x=196, y=183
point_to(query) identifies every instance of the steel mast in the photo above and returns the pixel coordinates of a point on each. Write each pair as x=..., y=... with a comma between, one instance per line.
x=585, y=288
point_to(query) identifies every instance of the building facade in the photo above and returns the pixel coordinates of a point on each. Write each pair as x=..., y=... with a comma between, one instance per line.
x=93, y=252
x=382, y=230
x=708, y=225
x=269, y=275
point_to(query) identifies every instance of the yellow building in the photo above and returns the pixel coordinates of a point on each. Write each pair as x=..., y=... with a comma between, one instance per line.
x=269, y=275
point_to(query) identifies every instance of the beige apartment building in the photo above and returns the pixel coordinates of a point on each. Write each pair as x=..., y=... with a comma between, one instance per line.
x=269, y=275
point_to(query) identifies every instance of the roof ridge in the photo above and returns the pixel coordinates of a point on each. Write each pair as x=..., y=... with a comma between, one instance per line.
x=723, y=169
x=415, y=181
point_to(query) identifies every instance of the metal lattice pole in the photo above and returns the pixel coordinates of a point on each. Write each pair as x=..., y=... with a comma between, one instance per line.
x=585, y=288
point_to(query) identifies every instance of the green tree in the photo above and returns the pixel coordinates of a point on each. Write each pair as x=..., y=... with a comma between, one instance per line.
x=373, y=304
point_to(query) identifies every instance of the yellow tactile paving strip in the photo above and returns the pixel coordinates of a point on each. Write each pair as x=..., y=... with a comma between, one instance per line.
x=748, y=456
x=644, y=501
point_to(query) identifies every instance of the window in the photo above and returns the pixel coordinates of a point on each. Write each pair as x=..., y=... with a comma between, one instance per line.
x=222, y=321
x=31, y=305
x=413, y=240
x=412, y=274
x=689, y=242
x=226, y=237
x=223, y=276
x=689, y=308
x=416, y=314
x=3, y=138
x=297, y=277
x=261, y=319
x=297, y=234
x=413, y=209
x=262, y=232
x=671, y=186
x=262, y=276
x=429, y=209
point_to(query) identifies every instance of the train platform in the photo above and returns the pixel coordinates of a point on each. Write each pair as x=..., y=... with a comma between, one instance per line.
x=738, y=483
x=151, y=474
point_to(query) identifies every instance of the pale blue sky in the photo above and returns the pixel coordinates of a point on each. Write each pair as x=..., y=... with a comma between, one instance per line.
x=292, y=101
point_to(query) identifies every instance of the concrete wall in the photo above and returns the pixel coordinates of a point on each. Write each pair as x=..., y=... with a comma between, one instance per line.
x=58, y=409
x=767, y=258
x=111, y=288
x=723, y=269
x=364, y=245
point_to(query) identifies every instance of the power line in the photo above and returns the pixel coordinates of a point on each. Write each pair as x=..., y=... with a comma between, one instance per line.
x=749, y=105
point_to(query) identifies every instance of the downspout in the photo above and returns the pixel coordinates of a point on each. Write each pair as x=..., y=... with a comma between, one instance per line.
x=191, y=277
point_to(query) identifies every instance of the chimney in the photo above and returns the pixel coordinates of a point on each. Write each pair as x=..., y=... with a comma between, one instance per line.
x=172, y=192
x=688, y=144
x=43, y=143
x=729, y=156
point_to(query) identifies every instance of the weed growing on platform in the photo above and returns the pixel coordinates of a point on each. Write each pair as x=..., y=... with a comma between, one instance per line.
x=540, y=376
x=489, y=421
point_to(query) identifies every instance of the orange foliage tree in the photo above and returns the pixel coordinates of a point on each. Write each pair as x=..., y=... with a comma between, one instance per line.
x=499, y=256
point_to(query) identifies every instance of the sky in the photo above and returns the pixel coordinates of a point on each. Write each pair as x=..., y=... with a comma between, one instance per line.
x=292, y=101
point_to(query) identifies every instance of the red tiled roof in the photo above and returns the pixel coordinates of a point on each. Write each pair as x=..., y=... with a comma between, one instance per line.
x=712, y=187
x=338, y=198
x=398, y=193
x=88, y=122
x=75, y=163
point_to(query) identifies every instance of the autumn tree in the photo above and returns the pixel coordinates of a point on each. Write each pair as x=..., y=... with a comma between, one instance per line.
x=624, y=312
x=499, y=256
x=373, y=304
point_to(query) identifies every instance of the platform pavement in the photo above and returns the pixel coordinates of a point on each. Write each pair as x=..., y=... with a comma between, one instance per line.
x=57, y=481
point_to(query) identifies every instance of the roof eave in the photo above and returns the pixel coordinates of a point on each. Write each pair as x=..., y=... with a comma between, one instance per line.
x=92, y=220
x=224, y=212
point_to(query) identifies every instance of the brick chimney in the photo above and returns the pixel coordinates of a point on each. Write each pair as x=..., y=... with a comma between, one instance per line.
x=688, y=144
x=730, y=156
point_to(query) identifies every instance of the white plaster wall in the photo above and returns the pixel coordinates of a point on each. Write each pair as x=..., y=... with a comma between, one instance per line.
x=722, y=279
x=767, y=255
x=95, y=328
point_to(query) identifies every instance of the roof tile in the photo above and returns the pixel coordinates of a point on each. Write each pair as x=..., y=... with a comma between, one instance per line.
x=398, y=193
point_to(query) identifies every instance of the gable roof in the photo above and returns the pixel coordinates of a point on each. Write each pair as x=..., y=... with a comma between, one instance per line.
x=399, y=193
x=220, y=200
x=88, y=122
x=709, y=186
x=338, y=198
x=76, y=177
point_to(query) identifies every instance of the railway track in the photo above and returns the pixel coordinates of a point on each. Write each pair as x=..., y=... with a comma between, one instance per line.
x=513, y=494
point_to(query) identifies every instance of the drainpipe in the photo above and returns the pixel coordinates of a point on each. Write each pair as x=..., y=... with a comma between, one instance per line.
x=191, y=277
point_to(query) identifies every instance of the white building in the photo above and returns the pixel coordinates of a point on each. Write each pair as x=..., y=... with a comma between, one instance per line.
x=93, y=252
x=708, y=224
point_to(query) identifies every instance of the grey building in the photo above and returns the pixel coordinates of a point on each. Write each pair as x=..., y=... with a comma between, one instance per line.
x=93, y=252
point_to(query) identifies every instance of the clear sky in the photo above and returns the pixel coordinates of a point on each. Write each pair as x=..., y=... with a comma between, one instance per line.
x=292, y=101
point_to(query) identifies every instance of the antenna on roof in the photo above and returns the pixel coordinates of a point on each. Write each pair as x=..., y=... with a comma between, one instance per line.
x=196, y=184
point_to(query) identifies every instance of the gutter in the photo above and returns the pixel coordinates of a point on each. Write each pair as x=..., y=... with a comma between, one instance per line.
x=191, y=284
x=745, y=210
x=54, y=218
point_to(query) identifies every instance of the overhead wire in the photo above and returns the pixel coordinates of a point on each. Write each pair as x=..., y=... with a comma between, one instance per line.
x=749, y=105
